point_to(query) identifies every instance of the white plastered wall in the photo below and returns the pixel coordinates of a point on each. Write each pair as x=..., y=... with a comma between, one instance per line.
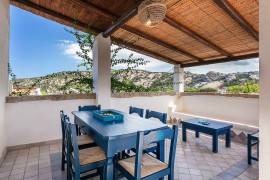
x=242, y=112
x=264, y=113
x=156, y=103
x=4, y=59
x=37, y=121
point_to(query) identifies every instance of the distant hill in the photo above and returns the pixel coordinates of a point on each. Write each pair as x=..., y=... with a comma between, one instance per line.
x=53, y=82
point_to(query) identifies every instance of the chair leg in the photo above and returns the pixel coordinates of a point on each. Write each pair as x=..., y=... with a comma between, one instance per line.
x=63, y=159
x=77, y=175
x=170, y=177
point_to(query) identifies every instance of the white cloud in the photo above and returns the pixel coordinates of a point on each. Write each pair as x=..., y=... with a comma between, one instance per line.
x=70, y=48
x=230, y=67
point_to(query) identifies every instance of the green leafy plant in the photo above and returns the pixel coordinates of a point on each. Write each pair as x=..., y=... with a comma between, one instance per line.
x=201, y=89
x=86, y=42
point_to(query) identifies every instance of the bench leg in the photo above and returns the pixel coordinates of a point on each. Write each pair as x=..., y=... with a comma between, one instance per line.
x=184, y=133
x=249, y=150
x=215, y=143
x=197, y=135
x=228, y=138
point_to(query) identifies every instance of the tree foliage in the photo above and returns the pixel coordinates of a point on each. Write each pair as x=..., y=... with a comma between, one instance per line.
x=201, y=89
x=247, y=88
x=86, y=42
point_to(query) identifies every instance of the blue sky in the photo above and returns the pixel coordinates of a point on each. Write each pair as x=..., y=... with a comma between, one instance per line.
x=39, y=47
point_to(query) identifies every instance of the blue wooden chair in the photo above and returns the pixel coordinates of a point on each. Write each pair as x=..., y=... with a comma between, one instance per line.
x=84, y=141
x=83, y=160
x=145, y=166
x=138, y=111
x=82, y=130
x=89, y=108
x=154, y=114
x=162, y=117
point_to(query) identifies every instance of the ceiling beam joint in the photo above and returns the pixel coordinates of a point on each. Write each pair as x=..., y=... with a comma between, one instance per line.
x=231, y=11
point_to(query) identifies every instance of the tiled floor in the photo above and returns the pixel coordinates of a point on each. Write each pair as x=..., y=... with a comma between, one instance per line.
x=194, y=160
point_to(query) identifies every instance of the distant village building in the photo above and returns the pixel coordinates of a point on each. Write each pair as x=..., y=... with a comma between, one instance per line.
x=33, y=91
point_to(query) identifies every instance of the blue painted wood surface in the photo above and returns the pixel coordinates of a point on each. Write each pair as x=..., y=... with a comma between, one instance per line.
x=145, y=139
x=154, y=114
x=214, y=128
x=136, y=110
x=115, y=137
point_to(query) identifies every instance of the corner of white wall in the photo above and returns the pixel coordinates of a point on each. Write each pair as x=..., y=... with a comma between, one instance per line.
x=4, y=59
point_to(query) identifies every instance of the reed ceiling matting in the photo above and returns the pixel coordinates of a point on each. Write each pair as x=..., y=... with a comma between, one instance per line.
x=193, y=33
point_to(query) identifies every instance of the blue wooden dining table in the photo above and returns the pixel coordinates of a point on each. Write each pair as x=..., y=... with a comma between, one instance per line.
x=117, y=136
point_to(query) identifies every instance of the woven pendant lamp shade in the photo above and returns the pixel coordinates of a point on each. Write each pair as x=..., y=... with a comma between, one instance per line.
x=152, y=12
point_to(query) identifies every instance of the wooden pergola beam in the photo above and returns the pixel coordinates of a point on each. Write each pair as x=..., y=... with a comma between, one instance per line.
x=231, y=11
x=161, y=43
x=122, y=20
x=84, y=27
x=222, y=60
x=194, y=35
x=147, y=52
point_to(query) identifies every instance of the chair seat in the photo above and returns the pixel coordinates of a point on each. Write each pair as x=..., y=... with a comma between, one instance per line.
x=150, y=146
x=84, y=139
x=91, y=155
x=150, y=165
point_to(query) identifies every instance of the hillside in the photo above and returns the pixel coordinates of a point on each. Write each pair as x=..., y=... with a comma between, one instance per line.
x=52, y=83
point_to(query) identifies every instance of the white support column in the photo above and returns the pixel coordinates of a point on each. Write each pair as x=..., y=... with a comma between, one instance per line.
x=102, y=70
x=178, y=78
x=4, y=59
x=264, y=100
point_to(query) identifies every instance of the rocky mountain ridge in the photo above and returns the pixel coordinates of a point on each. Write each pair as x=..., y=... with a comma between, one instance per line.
x=53, y=82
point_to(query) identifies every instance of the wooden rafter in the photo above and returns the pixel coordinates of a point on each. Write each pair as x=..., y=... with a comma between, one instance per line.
x=122, y=20
x=140, y=49
x=161, y=43
x=194, y=35
x=230, y=10
x=222, y=60
x=81, y=25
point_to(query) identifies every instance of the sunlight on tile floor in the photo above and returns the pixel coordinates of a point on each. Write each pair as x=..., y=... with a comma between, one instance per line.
x=194, y=160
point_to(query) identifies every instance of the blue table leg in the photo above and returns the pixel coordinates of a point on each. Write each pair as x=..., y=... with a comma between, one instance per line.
x=184, y=132
x=215, y=143
x=108, y=170
x=197, y=135
x=228, y=138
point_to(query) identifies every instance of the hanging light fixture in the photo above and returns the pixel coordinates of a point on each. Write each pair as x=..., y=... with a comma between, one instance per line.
x=152, y=12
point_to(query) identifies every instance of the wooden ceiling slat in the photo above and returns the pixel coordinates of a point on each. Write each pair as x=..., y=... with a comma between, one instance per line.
x=194, y=35
x=77, y=23
x=209, y=33
x=222, y=60
x=230, y=10
x=95, y=9
x=162, y=43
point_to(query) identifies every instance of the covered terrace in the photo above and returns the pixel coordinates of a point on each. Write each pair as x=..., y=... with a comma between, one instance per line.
x=193, y=33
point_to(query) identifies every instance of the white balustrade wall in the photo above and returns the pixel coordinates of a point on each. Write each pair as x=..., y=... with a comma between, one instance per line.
x=37, y=121
x=241, y=110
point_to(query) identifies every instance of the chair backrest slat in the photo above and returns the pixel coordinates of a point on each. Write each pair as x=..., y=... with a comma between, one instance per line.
x=64, y=122
x=154, y=114
x=73, y=142
x=155, y=136
x=89, y=108
x=136, y=110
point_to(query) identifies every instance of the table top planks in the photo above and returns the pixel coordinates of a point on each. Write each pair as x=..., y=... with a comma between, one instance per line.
x=216, y=125
x=111, y=130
